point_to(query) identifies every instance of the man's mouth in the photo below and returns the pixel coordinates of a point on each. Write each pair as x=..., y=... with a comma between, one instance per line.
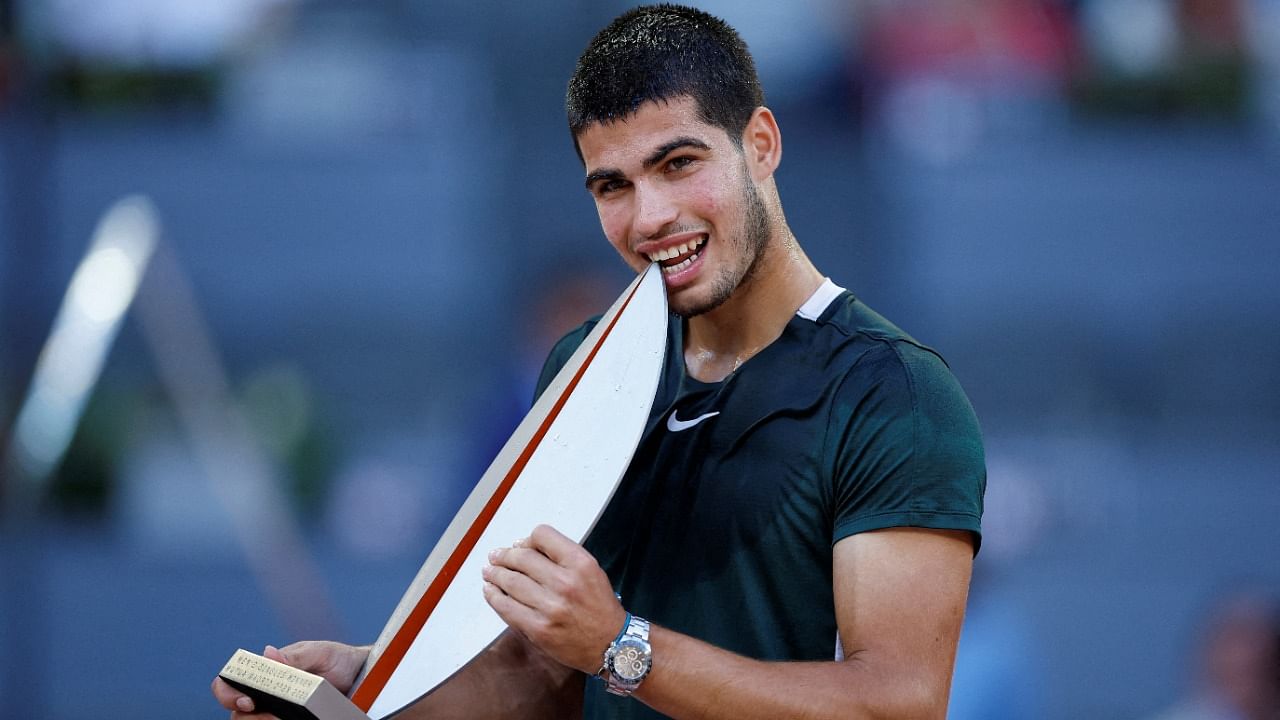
x=674, y=259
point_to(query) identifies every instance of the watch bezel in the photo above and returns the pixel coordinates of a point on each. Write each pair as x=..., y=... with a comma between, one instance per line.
x=645, y=653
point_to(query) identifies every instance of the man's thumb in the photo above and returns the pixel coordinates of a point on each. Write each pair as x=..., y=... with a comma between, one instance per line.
x=271, y=652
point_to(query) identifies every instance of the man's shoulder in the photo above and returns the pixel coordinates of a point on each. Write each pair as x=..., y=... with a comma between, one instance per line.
x=850, y=316
x=868, y=340
x=874, y=363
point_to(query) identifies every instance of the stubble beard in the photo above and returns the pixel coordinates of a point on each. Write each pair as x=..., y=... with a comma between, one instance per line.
x=747, y=248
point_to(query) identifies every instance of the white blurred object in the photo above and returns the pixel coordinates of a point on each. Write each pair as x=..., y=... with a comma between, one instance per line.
x=1133, y=37
x=1015, y=508
x=1263, y=28
x=794, y=43
x=934, y=118
x=392, y=499
x=379, y=508
x=101, y=290
x=166, y=505
x=317, y=90
x=167, y=33
x=346, y=74
x=958, y=84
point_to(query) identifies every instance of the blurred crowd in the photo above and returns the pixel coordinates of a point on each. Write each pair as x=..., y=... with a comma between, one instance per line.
x=1147, y=56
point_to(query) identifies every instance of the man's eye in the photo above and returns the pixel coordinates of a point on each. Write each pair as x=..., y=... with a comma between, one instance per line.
x=679, y=163
x=609, y=186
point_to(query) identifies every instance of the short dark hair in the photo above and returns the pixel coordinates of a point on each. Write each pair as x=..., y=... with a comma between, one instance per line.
x=661, y=52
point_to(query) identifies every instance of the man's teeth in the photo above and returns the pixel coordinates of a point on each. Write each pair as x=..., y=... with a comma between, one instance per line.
x=680, y=265
x=668, y=253
x=673, y=252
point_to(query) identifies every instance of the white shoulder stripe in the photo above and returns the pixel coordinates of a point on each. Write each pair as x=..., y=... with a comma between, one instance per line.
x=820, y=300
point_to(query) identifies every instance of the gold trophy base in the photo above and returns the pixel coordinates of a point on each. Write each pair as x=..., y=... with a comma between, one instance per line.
x=287, y=692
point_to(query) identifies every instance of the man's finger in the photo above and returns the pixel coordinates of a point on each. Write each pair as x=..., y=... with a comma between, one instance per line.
x=231, y=698
x=552, y=543
x=522, y=588
x=526, y=561
x=314, y=657
x=518, y=616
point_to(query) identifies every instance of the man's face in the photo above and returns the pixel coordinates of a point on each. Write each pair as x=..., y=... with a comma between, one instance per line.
x=672, y=189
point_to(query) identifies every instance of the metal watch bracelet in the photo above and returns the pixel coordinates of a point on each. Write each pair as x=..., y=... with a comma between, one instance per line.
x=629, y=659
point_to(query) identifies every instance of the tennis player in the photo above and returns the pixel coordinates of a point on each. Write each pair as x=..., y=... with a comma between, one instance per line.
x=795, y=534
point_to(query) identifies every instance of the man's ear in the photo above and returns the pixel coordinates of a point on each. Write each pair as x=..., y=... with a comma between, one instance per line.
x=762, y=144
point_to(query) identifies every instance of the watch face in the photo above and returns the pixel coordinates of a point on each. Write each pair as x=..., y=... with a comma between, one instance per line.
x=630, y=662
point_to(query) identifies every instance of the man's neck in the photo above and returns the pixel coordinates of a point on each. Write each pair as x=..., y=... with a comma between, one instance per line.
x=717, y=342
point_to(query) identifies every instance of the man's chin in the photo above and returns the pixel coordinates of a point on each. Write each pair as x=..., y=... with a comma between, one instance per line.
x=688, y=304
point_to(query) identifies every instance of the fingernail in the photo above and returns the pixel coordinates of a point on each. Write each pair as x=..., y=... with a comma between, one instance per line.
x=493, y=554
x=244, y=704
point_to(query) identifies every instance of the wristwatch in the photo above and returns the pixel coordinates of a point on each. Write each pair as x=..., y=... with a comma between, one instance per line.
x=629, y=657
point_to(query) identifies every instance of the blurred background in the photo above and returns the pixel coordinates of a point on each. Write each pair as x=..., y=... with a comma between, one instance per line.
x=369, y=227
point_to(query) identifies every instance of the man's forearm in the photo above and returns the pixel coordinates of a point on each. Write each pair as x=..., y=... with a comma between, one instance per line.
x=510, y=679
x=691, y=679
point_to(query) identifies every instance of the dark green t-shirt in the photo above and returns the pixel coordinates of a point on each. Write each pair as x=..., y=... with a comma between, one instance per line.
x=723, y=528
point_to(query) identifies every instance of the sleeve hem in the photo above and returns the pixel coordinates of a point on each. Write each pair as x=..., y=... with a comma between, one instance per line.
x=930, y=519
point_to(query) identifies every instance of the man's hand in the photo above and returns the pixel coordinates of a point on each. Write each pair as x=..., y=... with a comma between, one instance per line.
x=335, y=662
x=551, y=590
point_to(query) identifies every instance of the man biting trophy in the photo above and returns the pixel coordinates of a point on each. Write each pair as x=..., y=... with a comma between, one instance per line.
x=795, y=532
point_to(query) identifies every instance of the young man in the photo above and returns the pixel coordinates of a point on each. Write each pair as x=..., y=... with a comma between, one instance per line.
x=799, y=522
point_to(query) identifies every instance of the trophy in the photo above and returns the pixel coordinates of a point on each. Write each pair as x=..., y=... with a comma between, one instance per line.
x=560, y=467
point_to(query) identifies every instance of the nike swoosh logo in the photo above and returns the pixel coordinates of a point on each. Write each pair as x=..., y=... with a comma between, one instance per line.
x=675, y=424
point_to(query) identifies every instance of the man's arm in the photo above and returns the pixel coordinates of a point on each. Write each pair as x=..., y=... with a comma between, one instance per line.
x=899, y=593
x=510, y=679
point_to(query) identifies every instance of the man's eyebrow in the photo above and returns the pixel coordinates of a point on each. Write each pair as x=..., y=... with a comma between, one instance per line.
x=668, y=147
x=603, y=174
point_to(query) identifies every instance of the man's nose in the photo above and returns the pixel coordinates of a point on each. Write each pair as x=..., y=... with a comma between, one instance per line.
x=655, y=210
